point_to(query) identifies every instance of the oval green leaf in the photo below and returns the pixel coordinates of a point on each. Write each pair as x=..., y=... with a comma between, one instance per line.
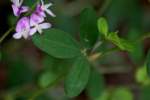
x=77, y=78
x=57, y=43
x=88, y=27
x=103, y=26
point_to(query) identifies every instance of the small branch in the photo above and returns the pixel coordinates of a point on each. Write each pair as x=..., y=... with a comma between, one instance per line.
x=6, y=34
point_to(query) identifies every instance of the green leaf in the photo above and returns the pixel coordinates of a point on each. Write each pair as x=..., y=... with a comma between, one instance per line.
x=88, y=27
x=142, y=76
x=122, y=94
x=119, y=42
x=53, y=69
x=148, y=63
x=144, y=95
x=57, y=43
x=103, y=26
x=46, y=79
x=95, y=85
x=77, y=78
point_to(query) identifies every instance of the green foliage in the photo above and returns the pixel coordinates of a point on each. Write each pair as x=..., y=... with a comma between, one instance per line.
x=95, y=85
x=53, y=69
x=148, y=63
x=19, y=72
x=123, y=44
x=103, y=26
x=77, y=78
x=142, y=76
x=113, y=37
x=121, y=93
x=88, y=27
x=46, y=79
x=145, y=93
x=57, y=43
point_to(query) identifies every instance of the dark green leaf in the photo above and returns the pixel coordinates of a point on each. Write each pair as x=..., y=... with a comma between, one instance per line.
x=95, y=85
x=77, y=78
x=57, y=43
x=88, y=27
x=103, y=26
x=145, y=93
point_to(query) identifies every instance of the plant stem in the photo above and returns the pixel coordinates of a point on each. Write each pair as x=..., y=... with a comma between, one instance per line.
x=6, y=34
x=95, y=56
x=43, y=90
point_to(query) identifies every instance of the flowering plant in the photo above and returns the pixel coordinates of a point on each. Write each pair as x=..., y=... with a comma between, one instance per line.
x=80, y=62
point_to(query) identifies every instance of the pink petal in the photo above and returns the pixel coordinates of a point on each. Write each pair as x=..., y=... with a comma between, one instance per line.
x=23, y=24
x=35, y=19
x=39, y=11
x=15, y=10
x=45, y=25
x=50, y=12
x=17, y=35
x=24, y=9
x=32, y=31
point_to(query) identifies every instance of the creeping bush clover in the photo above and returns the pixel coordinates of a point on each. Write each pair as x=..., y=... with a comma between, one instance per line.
x=67, y=50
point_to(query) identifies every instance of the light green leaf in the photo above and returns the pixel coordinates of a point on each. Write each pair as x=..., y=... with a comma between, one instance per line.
x=119, y=42
x=88, y=27
x=142, y=76
x=148, y=63
x=103, y=26
x=122, y=94
x=77, y=78
x=46, y=79
x=57, y=43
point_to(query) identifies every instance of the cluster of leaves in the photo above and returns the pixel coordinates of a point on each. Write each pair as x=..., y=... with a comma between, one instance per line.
x=61, y=45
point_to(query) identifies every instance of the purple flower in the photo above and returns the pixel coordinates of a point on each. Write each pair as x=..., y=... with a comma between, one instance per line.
x=18, y=8
x=42, y=8
x=22, y=28
x=35, y=19
x=36, y=22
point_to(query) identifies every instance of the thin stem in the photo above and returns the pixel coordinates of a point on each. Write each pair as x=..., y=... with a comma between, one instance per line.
x=43, y=90
x=6, y=34
x=95, y=56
